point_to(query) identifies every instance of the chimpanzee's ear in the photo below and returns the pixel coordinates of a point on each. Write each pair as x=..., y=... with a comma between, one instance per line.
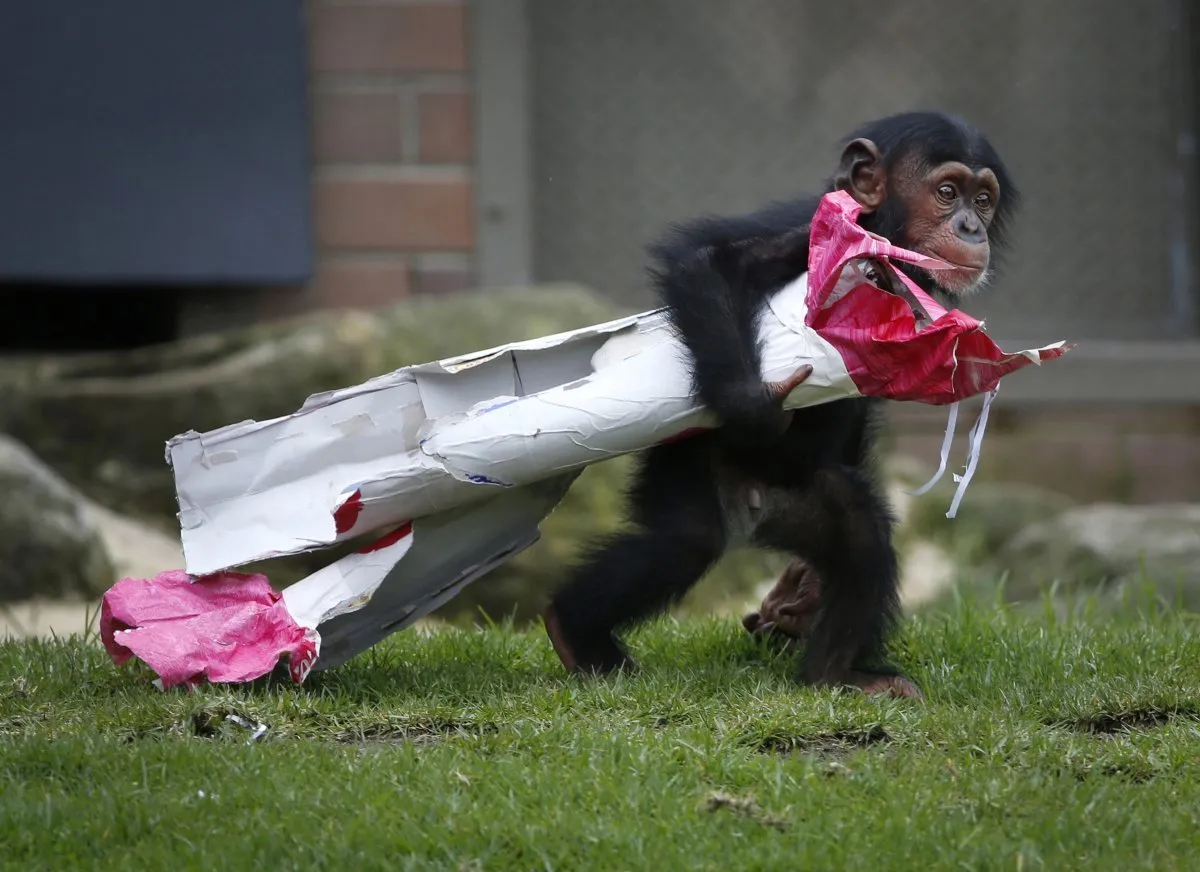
x=861, y=174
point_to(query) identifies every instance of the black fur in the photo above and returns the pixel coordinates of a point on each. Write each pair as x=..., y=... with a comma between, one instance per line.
x=823, y=500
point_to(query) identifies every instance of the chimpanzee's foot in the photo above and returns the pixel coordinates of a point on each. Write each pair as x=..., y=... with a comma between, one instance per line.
x=585, y=656
x=789, y=609
x=871, y=683
x=892, y=685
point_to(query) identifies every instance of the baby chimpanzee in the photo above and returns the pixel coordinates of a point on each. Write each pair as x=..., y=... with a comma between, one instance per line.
x=800, y=482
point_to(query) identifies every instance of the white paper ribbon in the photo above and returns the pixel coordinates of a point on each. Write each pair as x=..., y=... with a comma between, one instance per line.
x=947, y=441
x=975, y=444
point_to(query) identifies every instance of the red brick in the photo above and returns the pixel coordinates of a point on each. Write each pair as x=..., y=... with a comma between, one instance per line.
x=369, y=284
x=356, y=127
x=443, y=281
x=445, y=125
x=413, y=215
x=389, y=39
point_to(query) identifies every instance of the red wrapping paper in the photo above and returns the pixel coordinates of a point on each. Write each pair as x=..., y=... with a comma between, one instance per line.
x=876, y=333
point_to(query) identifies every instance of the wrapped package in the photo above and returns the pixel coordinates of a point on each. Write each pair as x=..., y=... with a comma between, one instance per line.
x=461, y=459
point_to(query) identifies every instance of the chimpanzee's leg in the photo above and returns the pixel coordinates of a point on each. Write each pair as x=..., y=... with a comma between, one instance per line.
x=678, y=534
x=841, y=525
x=789, y=609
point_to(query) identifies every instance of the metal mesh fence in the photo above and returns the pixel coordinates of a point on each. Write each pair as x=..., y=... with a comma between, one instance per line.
x=648, y=111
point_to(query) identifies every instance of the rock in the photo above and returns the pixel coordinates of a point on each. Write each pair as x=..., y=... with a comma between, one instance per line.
x=903, y=474
x=926, y=572
x=1109, y=549
x=102, y=420
x=49, y=546
x=990, y=515
x=137, y=550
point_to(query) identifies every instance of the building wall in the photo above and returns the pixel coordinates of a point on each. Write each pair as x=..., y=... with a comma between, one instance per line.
x=395, y=178
x=392, y=154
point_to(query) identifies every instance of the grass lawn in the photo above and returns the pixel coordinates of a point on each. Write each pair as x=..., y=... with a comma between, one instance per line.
x=1044, y=743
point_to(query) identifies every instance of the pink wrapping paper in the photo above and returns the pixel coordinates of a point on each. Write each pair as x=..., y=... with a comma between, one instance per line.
x=226, y=627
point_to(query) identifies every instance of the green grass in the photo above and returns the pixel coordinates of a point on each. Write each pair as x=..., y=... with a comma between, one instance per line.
x=1043, y=743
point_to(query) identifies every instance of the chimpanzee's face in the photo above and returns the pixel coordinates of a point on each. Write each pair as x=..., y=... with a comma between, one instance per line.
x=948, y=211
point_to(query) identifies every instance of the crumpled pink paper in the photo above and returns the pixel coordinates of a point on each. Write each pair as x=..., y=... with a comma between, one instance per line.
x=225, y=627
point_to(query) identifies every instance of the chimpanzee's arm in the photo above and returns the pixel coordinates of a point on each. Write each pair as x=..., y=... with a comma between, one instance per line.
x=714, y=276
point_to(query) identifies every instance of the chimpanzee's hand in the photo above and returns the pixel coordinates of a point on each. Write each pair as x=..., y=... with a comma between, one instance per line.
x=756, y=416
x=780, y=390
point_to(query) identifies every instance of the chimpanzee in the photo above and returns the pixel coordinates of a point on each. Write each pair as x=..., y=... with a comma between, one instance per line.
x=800, y=482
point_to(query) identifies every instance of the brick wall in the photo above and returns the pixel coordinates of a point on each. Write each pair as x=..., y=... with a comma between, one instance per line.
x=392, y=151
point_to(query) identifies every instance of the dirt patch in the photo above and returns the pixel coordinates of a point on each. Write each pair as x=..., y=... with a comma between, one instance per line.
x=1132, y=720
x=743, y=806
x=1134, y=774
x=1130, y=772
x=836, y=743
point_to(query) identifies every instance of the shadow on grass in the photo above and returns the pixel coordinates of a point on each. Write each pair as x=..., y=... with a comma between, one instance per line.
x=1124, y=722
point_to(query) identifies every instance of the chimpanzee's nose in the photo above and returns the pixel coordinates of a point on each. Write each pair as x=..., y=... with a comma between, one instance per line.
x=970, y=227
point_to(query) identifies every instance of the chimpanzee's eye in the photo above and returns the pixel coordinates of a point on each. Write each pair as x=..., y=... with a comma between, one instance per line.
x=984, y=201
x=947, y=192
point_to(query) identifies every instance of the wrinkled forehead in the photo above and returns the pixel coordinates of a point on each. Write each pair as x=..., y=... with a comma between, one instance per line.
x=918, y=165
